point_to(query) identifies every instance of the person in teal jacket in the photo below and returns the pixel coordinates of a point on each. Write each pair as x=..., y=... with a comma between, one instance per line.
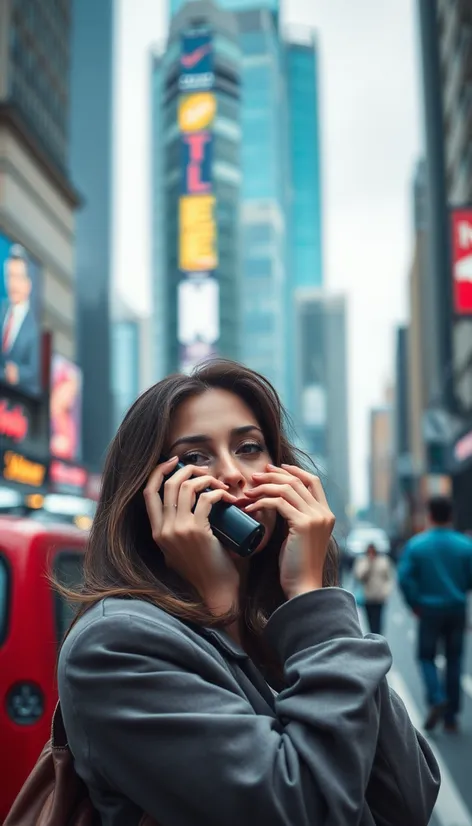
x=435, y=574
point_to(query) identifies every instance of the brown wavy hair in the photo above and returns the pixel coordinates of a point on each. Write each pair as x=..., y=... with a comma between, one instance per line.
x=122, y=559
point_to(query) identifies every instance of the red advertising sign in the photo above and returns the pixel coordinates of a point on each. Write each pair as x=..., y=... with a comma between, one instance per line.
x=462, y=260
x=62, y=476
x=14, y=423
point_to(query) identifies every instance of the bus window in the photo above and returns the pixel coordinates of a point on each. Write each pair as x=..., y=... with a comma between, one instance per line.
x=4, y=598
x=68, y=571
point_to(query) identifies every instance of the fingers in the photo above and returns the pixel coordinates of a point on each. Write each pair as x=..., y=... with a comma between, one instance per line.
x=187, y=494
x=159, y=473
x=206, y=501
x=151, y=495
x=310, y=481
x=172, y=486
x=285, y=491
x=282, y=478
x=279, y=504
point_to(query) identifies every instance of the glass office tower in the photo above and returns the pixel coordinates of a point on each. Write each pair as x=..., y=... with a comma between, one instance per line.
x=264, y=196
x=306, y=211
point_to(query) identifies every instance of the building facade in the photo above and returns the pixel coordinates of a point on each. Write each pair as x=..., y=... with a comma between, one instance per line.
x=264, y=231
x=37, y=228
x=306, y=241
x=132, y=367
x=304, y=203
x=380, y=465
x=197, y=180
x=91, y=167
x=322, y=391
x=447, y=74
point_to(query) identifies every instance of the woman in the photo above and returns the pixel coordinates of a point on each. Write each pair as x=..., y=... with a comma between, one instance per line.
x=166, y=679
x=375, y=573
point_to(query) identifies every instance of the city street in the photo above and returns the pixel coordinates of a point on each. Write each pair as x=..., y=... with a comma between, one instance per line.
x=454, y=806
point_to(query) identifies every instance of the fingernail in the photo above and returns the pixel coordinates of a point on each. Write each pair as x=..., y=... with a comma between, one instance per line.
x=172, y=459
x=272, y=467
x=257, y=475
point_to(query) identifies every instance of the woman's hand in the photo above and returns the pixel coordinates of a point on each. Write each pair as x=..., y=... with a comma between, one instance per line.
x=183, y=533
x=299, y=498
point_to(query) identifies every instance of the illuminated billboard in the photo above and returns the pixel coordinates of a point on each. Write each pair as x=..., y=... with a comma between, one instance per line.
x=461, y=229
x=196, y=163
x=20, y=286
x=65, y=409
x=198, y=315
x=196, y=112
x=196, y=62
x=198, y=310
x=197, y=242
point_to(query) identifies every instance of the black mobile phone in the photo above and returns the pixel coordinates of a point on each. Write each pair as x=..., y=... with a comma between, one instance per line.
x=236, y=530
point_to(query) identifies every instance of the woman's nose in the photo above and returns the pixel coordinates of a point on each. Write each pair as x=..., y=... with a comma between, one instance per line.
x=230, y=473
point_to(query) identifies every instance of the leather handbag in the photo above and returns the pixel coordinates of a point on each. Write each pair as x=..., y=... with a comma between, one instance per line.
x=54, y=794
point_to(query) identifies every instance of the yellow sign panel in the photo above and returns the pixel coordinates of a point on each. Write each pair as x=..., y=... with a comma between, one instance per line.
x=197, y=247
x=22, y=470
x=196, y=112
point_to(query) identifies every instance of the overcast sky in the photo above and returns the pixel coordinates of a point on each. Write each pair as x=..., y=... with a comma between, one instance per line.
x=371, y=140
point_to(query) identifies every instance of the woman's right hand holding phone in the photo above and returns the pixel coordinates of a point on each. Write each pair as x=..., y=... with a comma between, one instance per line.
x=183, y=533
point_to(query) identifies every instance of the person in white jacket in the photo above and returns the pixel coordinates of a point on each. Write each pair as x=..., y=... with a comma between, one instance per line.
x=375, y=573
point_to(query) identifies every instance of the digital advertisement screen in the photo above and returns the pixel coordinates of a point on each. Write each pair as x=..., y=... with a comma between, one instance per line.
x=196, y=62
x=65, y=409
x=20, y=302
x=199, y=310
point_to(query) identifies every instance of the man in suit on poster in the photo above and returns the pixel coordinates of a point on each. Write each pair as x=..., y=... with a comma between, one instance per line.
x=18, y=327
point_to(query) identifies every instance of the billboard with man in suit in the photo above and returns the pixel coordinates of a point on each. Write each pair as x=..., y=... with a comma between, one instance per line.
x=19, y=318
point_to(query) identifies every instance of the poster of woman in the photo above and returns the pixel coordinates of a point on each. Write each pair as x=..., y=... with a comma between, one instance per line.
x=65, y=409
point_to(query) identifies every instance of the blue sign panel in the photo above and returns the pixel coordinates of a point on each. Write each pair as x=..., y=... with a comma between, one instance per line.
x=196, y=62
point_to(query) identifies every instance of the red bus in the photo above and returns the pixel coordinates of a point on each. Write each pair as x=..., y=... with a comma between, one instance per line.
x=33, y=620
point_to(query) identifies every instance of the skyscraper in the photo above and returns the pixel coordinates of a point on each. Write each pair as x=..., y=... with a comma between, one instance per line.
x=321, y=389
x=446, y=50
x=37, y=230
x=304, y=255
x=37, y=198
x=91, y=166
x=264, y=196
x=306, y=259
x=196, y=183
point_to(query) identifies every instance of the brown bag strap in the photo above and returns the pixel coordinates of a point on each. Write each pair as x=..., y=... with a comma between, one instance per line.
x=58, y=732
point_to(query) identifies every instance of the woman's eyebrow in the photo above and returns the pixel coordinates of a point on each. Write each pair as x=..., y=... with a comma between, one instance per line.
x=190, y=440
x=201, y=438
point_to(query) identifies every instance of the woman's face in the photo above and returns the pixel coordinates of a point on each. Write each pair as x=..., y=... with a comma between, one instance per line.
x=217, y=429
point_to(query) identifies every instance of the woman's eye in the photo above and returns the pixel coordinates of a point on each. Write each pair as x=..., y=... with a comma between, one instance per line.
x=250, y=447
x=195, y=458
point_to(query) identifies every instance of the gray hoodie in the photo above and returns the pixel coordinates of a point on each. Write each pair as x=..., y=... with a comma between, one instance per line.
x=177, y=721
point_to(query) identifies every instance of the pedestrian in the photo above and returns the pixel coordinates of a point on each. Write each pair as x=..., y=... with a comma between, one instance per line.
x=435, y=573
x=168, y=678
x=374, y=571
